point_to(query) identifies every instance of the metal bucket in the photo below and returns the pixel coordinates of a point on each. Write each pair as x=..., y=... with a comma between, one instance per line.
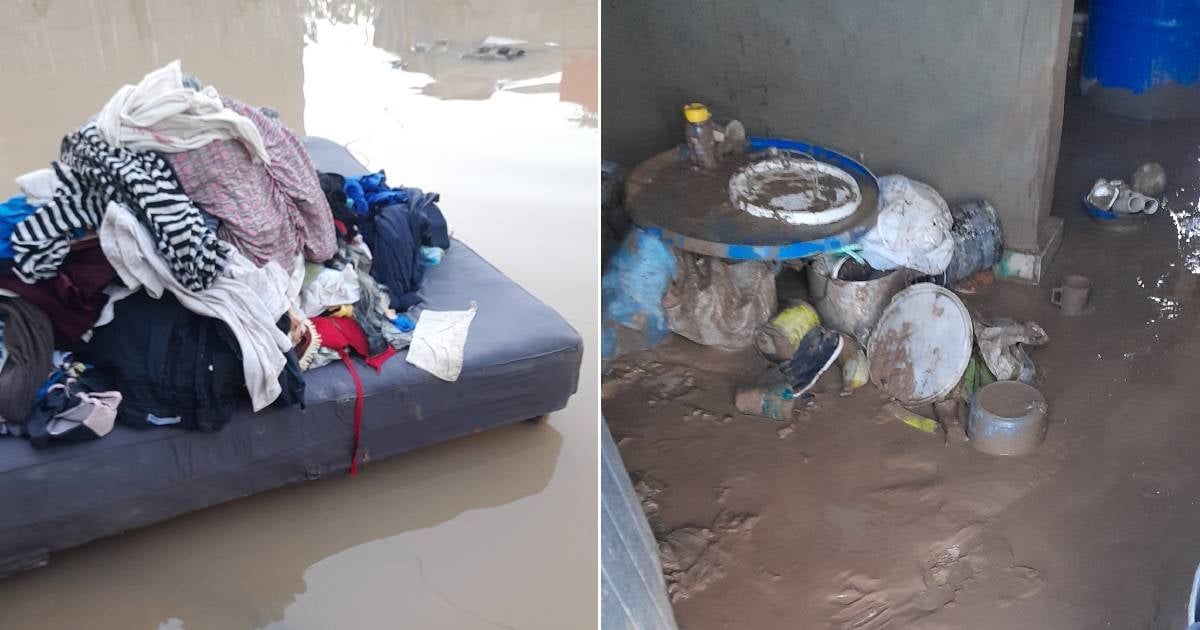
x=1007, y=418
x=851, y=306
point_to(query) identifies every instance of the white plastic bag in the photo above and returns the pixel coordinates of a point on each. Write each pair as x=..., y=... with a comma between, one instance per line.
x=913, y=229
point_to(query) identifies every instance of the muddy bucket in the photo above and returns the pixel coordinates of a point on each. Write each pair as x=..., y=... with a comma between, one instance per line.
x=978, y=241
x=849, y=297
x=1007, y=418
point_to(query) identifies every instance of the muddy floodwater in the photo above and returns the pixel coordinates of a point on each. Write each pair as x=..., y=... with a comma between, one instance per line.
x=496, y=530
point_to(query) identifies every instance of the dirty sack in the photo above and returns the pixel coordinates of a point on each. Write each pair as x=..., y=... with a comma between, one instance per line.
x=913, y=228
x=631, y=294
x=1002, y=344
x=718, y=303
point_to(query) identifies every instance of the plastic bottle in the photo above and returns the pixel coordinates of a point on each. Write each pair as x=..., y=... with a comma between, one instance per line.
x=777, y=401
x=702, y=145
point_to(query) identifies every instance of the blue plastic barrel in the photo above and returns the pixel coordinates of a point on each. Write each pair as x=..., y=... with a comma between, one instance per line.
x=1142, y=58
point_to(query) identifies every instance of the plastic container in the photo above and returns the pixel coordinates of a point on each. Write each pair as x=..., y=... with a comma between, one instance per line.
x=1142, y=59
x=702, y=144
x=921, y=345
x=1007, y=418
x=778, y=339
x=978, y=240
x=776, y=402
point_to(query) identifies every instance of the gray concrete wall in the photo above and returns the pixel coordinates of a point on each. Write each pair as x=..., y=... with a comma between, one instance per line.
x=965, y=95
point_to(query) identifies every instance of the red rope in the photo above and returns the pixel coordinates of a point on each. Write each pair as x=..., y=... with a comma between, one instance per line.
x=358, y=407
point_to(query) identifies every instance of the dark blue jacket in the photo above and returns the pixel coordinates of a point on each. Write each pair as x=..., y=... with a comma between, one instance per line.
x=395, y=234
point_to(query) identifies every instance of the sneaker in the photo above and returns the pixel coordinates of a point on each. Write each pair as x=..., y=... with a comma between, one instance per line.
x=817, y=351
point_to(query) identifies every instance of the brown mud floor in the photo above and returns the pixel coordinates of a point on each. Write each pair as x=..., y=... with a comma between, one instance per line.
x=847, y=518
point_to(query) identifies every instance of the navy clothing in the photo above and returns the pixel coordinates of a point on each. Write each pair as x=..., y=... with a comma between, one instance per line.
x=167, y=362
x=291, y=379
x=394, y=222
x=395, y=235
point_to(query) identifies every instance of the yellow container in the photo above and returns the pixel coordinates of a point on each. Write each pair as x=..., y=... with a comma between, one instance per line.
x=778, y=338
x=855, y=369
x=695, y=112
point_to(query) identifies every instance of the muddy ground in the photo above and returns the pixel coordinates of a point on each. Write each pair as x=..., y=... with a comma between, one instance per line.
x=848, y=518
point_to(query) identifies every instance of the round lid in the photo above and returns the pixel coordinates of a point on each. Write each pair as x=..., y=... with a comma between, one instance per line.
x=796, y=189
x=921, y=345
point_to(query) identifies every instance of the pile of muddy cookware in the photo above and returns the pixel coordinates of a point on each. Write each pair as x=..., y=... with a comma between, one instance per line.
x=882, y=262
x=948, y=369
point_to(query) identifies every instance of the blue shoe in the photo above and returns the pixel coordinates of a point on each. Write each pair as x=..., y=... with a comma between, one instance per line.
x=817, y=351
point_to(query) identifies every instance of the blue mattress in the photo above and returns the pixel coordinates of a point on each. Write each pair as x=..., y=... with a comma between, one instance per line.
x=522, y=361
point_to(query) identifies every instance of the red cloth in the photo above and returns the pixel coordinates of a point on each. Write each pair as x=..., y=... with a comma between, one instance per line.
x=73, y=298
x=342, y=334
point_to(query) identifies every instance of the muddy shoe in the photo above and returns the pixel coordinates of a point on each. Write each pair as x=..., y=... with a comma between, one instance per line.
x=817, y=351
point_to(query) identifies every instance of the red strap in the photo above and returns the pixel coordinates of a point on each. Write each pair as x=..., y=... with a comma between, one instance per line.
x=358, y=407
x=377, y=360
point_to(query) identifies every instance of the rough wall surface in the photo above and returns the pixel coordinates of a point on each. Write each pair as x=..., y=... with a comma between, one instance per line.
x=963, y=94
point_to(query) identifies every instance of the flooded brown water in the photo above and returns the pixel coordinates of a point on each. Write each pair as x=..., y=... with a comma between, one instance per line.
x=496, y=530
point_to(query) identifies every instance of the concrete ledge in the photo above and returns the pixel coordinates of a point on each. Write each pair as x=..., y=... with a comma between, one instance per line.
x=1029, y=267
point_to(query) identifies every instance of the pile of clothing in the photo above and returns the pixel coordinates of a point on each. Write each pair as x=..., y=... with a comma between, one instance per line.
x=184, y=254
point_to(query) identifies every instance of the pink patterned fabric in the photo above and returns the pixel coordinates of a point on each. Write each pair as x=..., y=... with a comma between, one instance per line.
x=267, y=211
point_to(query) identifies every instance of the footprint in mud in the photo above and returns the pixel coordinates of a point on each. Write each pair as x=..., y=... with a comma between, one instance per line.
x=693, y=558
x=673, y=384
x=909, y=481
x=868, y=604
x=974, y=560
x=647, y=490
x=907, y=471
x=701, y=414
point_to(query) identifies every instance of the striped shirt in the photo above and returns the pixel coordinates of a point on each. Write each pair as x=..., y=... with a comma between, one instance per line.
x=93, y=173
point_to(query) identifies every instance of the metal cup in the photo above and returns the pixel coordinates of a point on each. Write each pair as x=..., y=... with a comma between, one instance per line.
x=1072, y=297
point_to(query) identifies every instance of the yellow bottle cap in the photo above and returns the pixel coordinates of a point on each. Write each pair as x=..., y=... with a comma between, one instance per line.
x=695, y=112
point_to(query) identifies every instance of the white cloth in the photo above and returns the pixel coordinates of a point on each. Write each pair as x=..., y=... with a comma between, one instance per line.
x=438, y=342
x=38, y=186
x=296, y=283
x=160, y=114
x=331, y=287
x=913, y=228
x=250, y=299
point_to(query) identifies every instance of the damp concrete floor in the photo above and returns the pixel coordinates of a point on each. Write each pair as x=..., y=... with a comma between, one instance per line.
x=494, y=530
x=847, y=518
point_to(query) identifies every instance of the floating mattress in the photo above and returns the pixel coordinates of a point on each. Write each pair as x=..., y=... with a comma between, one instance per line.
x=522, y=361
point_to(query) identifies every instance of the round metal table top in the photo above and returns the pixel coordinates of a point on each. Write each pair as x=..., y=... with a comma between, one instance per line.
x=691, y=209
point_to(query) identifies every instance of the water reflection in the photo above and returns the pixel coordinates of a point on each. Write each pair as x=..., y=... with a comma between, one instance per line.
x=62, y=59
